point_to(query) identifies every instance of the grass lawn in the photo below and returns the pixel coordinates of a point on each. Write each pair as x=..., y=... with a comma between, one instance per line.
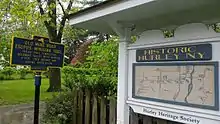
x=21, y=91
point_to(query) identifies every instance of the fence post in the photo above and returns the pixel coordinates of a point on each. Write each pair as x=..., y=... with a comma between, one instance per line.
x=112, y=106
x=147, y=120
x=103, y=110
x=74, y=106
x=160, y=121
x=133, y=117
x=80, y=109
x=94, y=110
x=87, y=107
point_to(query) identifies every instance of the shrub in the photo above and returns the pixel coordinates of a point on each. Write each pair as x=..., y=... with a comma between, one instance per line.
x=93, y=79
x=46, y=74
x=76, y=77
x=59, y=109
x=23, y=72
x=8, y=72
x=2, y=77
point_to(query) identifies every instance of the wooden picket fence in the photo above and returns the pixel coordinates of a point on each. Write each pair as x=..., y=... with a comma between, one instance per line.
x=90, y=108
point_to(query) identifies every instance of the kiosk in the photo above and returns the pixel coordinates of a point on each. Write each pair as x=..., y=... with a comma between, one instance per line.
x=173, y=78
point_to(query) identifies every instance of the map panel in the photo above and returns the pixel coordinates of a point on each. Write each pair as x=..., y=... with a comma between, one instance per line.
x=183, y=83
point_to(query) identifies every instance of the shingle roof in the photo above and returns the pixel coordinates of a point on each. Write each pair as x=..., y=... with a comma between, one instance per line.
x=95, y=7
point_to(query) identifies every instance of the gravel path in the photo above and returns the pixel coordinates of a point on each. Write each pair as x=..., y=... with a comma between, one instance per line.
x=18, y=114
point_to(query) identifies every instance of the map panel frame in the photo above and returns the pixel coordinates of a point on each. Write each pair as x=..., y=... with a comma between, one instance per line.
x=213, y=64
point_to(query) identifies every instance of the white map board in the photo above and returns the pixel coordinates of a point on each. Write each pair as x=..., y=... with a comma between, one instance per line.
x=191, y=84
x=181, y=91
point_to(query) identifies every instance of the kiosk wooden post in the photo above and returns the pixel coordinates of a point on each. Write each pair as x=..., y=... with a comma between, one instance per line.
x=123, y=116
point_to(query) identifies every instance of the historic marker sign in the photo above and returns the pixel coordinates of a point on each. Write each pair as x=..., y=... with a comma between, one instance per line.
x=38, y=53
x=175, y=53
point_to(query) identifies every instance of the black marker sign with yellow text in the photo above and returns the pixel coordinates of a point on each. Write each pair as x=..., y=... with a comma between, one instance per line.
x=175, y=53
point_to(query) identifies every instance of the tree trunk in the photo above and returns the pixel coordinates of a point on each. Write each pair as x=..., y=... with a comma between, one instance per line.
x=55, y=35
x=55, y=80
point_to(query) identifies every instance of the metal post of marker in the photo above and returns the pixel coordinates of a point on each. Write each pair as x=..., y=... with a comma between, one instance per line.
x=37, y=97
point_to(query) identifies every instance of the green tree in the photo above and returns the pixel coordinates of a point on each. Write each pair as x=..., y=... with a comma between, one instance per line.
x=26, y=18
x=104, y=56
x=54, y=23
x=4, y=50
x=76, y=39
x=36, y=17
x=72, y=38
x=17, y=20
x=77, y=42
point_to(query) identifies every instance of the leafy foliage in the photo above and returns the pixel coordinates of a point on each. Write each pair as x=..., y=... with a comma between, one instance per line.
x=98, y=73
x=46, y=74
x=59, y=109
x=92, y=79
x=104, y=56
x=88, y=3
x=8, y=72
x=216, y=27
x=72, y=38
x=23, y=72
x=4, y=50
x=17, y=20
x=2, y=77
x=77, y=42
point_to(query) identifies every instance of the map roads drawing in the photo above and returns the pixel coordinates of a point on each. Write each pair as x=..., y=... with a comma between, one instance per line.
x=190, y=84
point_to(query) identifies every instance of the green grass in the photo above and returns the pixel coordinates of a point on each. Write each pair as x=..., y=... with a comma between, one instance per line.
x=22, y=91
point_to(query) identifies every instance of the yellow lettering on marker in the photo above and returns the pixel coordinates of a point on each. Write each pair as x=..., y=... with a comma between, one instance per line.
x=171, y=50
x=51, y=46
x=163, y=51
x=183, y=49
x=157, y=57
x=191, y=49
x=39, y=44
x=57, y=51
x=176, y=56
x=20, y=46
x=42, y=49
x=191, y=55
x=177, y=50
x=201, y=55
x=145, y=58
x=146, y=52
x=139, y=58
